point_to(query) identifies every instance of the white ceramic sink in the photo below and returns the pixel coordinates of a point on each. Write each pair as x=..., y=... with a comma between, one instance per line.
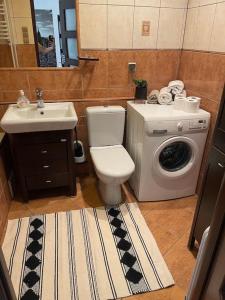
x=54, y=116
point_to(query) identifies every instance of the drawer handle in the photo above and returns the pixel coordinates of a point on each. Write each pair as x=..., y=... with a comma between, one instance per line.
x=63, y=140
x=221, y=165
x=44, y=151
x=48, y=181
x=46, y=167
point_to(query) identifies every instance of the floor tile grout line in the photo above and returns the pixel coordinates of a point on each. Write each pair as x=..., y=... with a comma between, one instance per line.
x=171, y=247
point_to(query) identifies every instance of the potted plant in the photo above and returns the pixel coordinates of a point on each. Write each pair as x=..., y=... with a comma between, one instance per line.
x=141, y=89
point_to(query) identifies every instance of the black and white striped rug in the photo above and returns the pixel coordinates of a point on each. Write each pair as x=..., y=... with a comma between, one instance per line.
x=102, y=253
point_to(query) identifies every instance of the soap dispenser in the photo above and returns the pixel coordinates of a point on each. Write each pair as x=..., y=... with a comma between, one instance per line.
x=22, y=101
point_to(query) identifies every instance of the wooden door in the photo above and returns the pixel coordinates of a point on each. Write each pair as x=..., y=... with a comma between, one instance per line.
x=214, y=176
x=212, y=256
x=215, y=286
x=68, y=33
x=6, y=288
x=219, y=136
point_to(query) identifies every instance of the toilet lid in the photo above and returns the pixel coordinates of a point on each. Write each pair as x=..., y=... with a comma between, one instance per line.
x=112, y=160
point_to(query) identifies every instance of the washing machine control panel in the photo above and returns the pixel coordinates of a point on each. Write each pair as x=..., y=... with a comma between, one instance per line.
x=167, y=127
x=198, y=124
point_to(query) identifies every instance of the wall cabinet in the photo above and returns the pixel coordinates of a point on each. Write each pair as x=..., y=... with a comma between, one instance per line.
x=43, y=161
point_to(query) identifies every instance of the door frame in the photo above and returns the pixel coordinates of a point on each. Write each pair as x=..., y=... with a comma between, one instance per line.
x=212, y=244
x=6, y=288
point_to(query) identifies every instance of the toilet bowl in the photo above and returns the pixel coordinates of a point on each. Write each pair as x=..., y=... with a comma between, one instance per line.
x=113, y=166
x=112, y=163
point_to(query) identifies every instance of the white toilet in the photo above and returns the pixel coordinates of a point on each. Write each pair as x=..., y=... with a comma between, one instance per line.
x=113, y=165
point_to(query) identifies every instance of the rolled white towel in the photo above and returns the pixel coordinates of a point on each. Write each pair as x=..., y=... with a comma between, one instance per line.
x=165, y=97
x=165, y=89
x=153, y=97
x=183, y=94
x=176, y=86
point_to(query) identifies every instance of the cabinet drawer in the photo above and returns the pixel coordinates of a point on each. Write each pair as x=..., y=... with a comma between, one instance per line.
x=46, y=167
x=41, y=137
x=42, y=153
x=45, y=181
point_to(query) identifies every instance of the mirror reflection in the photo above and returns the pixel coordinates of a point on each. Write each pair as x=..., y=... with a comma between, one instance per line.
x=38, y=33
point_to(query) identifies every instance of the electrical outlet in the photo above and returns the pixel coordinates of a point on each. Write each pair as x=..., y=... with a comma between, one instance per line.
x=132, y=67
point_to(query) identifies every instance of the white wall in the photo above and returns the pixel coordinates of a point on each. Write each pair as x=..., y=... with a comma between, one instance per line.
x=117, y=24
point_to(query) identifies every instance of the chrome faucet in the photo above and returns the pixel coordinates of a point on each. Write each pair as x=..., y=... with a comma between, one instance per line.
x=40, y=101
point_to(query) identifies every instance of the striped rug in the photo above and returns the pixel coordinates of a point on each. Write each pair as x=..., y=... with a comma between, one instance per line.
x=102, y=253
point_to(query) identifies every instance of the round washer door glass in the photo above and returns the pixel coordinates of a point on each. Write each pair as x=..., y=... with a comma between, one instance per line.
x=175, y=156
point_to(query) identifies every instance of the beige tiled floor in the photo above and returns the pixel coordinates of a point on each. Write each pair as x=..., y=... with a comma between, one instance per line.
x=169, y=222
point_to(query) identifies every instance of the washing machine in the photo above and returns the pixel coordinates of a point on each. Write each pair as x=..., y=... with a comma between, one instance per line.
x=167, y=147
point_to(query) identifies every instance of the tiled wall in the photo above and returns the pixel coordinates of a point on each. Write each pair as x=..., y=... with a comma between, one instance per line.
x=205, y=25
x=107, y=78
x=20, y=16
x=95, y=83
x=202, y=64
x=117, y=24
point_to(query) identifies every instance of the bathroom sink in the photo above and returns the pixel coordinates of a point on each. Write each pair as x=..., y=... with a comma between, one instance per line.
x=54, y=116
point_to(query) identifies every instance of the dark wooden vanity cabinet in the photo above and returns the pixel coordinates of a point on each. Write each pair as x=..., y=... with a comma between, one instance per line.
x=43, y=162
x=212, y=180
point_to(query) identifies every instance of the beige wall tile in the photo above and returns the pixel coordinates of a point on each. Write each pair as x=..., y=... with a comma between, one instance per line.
x=193, y=3
x=23, y=22
x=174, y=3
x=206, y=16
x=21, y=8
x=190, y=29
x=120, y=27
x=141, y=14
x=207, y=2
x=93, y=26
x=217, y=42
x=171, y=28
x=154, y=3
x=93, y=1
x=121, y=2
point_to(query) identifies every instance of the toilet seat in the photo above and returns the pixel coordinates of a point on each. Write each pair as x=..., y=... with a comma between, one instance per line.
x=112, y=161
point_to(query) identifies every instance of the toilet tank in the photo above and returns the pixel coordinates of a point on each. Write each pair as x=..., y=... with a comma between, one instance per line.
x=105, y=125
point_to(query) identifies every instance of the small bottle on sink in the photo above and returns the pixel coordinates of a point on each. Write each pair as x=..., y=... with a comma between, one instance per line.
x=22, y=101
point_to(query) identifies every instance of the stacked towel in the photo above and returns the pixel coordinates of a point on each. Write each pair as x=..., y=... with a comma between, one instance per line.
x=183, y=94
x=153, y=97
x=165, y=96
x=176, y=86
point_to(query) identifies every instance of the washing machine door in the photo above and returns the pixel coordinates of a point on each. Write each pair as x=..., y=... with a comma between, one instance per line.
x=175, y=157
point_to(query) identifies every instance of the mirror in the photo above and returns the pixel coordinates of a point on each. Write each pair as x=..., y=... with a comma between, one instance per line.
x=38, y=33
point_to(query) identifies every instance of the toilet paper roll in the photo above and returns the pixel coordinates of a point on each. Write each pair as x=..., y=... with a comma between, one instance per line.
x=179, y=102
x=192, y=104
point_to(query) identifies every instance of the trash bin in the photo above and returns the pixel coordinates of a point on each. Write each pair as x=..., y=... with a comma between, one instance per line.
x=79, y=154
